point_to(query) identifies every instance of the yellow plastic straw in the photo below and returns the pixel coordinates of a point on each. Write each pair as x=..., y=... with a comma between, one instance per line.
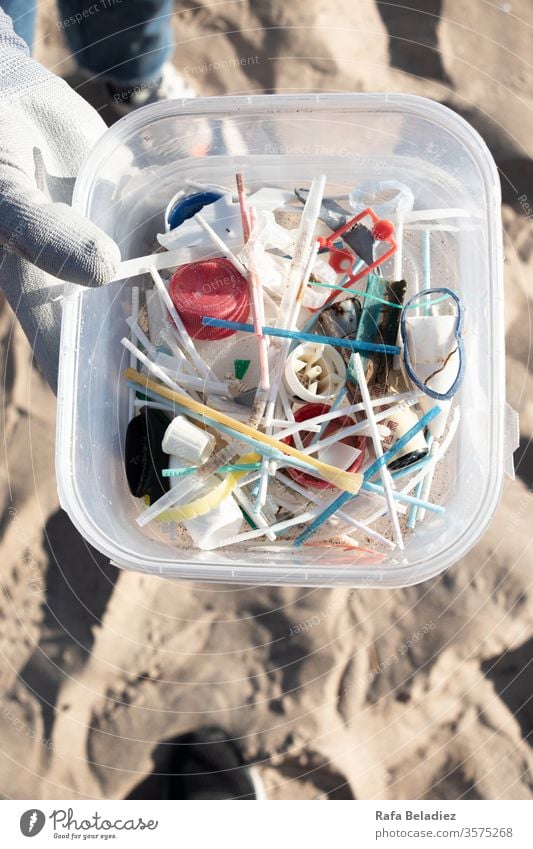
x=348, y=481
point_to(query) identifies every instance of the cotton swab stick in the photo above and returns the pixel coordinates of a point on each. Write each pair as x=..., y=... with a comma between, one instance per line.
x=282, y=333
x=260, y=532
x=311, y=496
x=350, y=482
x=407, y=398
x=184, y=338
x=152, y=367
x=258, y=518
x=221, y=245
x=133, y=318
x=427, y=465
x=374, y=468
x=404, y=499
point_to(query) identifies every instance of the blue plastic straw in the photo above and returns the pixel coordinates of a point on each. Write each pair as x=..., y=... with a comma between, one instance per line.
x=370, y=472
x=352, y=344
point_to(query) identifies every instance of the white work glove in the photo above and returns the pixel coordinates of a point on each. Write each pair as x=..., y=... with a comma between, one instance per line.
x=46, y=129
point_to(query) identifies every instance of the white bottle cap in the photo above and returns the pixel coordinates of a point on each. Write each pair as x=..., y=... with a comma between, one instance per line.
x=189, y=443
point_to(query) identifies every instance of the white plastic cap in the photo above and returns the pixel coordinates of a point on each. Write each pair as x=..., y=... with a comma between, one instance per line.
x=187, y=442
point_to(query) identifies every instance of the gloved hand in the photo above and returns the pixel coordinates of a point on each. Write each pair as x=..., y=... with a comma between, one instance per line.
x=45, y=131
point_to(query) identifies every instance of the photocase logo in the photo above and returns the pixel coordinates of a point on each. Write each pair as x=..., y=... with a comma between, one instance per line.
x=32, y=822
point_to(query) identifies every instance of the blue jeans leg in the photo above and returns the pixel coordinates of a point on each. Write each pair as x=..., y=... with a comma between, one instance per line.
x=23, y=14
x=122, y=41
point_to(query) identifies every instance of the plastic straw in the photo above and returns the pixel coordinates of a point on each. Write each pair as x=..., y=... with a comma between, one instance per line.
x=173, y=498
x=374, y=468
x=282, y=333
x=188, y=381
x=256, y=291
x=155, y=405
x=184, y=338
x=343, y=480
x=360, y=526
x=228, y=467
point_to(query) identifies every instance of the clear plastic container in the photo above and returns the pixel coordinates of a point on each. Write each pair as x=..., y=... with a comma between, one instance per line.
x=284, y=141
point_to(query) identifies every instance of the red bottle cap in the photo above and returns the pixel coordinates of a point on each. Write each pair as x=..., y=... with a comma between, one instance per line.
x=211, y=287
x=309, y=411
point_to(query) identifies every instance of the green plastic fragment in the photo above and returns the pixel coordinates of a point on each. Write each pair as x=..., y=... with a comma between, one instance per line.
x=241, y=367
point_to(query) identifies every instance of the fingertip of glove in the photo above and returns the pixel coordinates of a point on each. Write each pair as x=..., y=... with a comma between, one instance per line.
x=98, y=263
